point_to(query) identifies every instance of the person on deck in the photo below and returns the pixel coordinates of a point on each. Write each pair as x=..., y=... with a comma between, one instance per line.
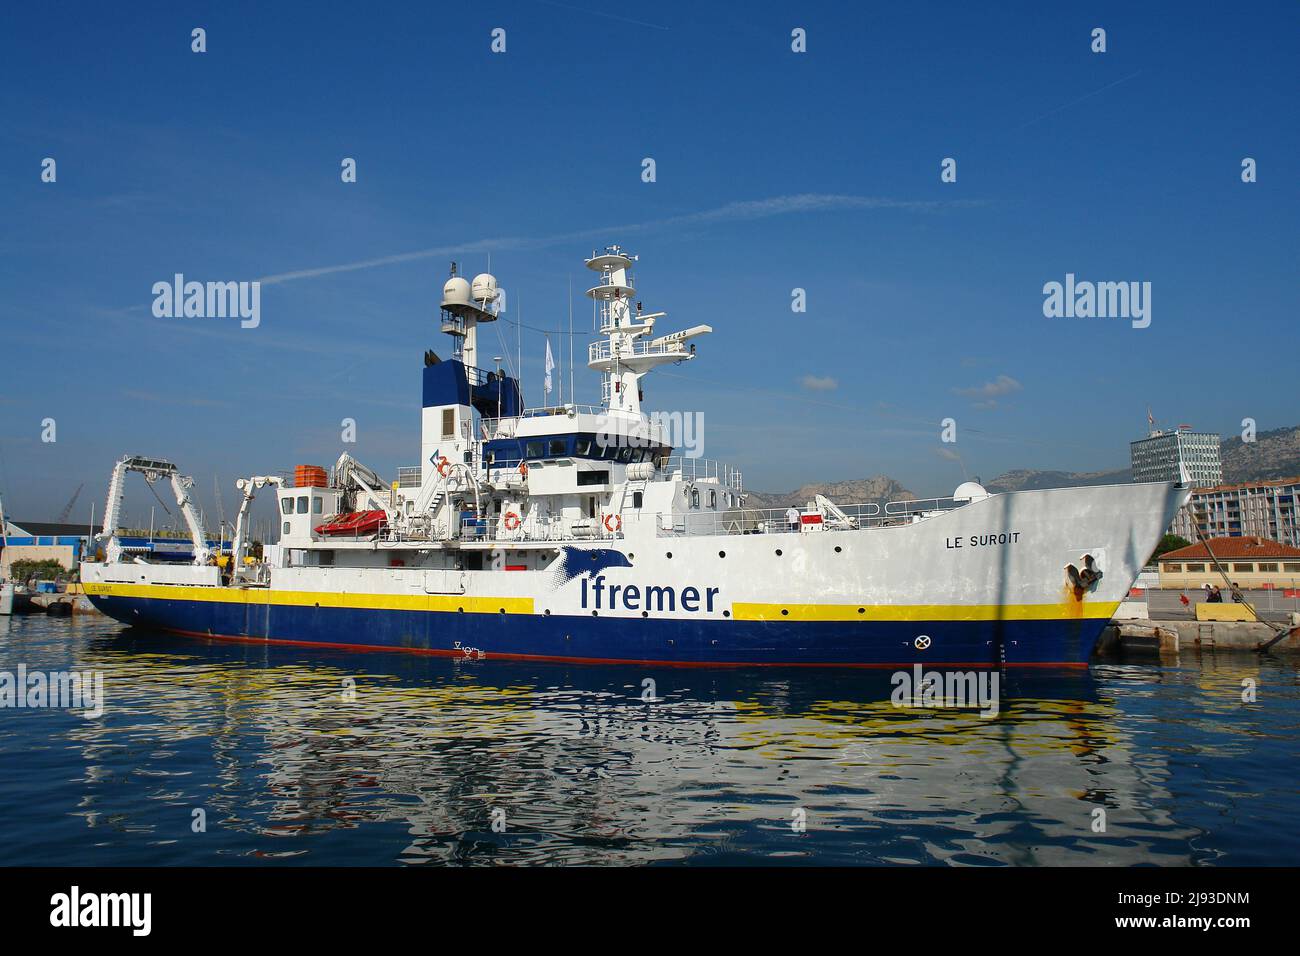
x=792, y=518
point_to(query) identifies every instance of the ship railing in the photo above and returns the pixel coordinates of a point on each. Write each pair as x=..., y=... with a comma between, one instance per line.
x=540, y=528
x=696, y=469
x=598, y=351
x=777, y=520
x=508, y=426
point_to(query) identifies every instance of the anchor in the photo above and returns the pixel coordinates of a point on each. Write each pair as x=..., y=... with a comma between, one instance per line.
x=1085, y=579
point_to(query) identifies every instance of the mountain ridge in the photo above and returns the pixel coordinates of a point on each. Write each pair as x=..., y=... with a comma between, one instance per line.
x=1273, y=455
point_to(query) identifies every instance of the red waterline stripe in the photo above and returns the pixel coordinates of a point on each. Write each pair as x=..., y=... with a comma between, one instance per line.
x=440, y=652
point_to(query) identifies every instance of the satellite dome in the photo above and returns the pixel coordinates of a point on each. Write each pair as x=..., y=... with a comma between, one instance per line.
x=485, y=287
x=455, y=291
x=969, y=491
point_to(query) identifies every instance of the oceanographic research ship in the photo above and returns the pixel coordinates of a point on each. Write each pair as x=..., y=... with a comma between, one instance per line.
x=574, y=533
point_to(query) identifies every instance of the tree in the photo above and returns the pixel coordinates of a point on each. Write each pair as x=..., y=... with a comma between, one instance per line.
x=1170, y=542
x=25, y=569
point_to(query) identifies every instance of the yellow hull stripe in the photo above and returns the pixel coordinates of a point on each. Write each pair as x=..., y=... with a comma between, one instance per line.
x=923, y=612
x=263, y=596
x=740, y=611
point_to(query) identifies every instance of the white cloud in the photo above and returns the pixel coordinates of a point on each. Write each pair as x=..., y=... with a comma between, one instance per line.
x=1002, y=385
x=819, y=383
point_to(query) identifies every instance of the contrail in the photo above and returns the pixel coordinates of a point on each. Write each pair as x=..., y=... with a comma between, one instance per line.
x=731, y=212
x=601, y=13
x=1075, y=102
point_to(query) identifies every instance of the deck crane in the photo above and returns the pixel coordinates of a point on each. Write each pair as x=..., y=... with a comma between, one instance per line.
x=249, y=487
x=153, y=469
x=350, y=473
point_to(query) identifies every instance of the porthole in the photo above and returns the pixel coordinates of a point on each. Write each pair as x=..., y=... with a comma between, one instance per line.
x=722, y=554
x=784, y=612
x=645, y=613
x=726, y=614
x=778, y=552
x=838, y=549
x=669, y=554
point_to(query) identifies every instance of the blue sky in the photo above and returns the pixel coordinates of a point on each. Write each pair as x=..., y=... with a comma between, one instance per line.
x=775, y=170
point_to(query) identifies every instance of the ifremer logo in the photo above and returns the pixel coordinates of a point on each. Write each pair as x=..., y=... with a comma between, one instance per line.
x=74, y=909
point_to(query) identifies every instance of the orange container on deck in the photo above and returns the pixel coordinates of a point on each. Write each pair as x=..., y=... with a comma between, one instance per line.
x=310, y=476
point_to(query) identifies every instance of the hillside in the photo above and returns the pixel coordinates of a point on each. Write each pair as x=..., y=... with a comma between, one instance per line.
x=881, y=488
x=1028, y=479
x=1273, y=454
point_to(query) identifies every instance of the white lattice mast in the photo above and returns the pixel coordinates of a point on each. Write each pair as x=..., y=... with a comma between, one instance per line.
x=621, y=359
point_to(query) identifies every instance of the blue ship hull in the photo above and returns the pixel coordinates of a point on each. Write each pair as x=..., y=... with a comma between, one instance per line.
x=671, y=641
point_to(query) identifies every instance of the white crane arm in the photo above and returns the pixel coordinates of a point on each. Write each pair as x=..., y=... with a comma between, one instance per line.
x=249, y=487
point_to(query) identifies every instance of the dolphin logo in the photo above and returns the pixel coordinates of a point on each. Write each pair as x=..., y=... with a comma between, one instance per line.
x=575, y=562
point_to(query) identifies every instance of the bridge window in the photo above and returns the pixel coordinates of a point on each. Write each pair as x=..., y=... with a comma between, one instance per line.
x=449, y=423
x=317, y=505
x=559, y=446
x=582, y=447
x=534, y=449
x=625, y=454
x=286, y=506
x=593, y=477
x=302, y=504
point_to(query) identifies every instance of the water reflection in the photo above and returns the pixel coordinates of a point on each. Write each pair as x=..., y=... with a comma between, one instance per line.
x=287, y=765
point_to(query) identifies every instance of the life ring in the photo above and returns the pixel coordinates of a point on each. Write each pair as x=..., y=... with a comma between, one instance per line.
x=444, y=466
x=613, y=523
x=510, y=521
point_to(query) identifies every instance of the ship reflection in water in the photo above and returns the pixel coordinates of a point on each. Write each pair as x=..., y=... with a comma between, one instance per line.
x=387, y=758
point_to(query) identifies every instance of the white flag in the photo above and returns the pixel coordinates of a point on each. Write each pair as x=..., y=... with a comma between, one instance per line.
x=550, y=364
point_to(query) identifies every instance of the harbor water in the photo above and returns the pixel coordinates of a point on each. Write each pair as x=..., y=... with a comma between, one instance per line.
x=218, y=753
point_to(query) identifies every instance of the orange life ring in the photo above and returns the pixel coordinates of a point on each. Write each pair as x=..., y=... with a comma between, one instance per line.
x=613, y=523
x=444, y=466
x=510, y=521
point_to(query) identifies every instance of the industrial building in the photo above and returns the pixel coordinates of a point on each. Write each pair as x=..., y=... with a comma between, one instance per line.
x=1264, y=509
x=1158, y=456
